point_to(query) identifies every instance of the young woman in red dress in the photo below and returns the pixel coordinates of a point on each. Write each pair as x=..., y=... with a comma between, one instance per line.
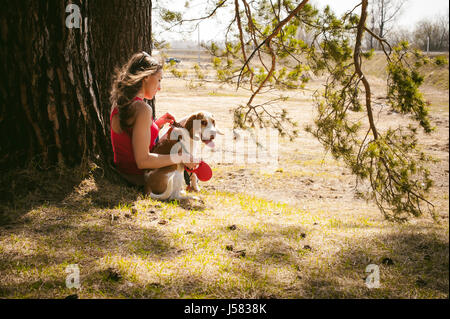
x=134, y=132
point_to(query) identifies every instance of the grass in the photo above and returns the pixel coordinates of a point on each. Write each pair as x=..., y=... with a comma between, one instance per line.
x=275, y=250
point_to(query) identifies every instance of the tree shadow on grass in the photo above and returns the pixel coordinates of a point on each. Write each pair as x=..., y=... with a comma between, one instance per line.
x=61, y=217
x=26, y=189
x=51, y=247
x=412, y=264
x=414, y=254
x=32, y=288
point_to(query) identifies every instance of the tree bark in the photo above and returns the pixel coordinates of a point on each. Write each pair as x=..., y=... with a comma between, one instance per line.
x=120, y=28
x=56, y=80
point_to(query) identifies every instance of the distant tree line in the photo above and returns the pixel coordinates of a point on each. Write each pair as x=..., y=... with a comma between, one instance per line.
x=427, y=34
x=436, y=30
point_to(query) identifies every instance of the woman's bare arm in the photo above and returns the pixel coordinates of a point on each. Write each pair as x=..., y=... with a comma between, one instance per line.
x=141, y=140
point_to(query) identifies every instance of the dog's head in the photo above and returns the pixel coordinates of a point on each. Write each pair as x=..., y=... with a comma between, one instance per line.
x=202, y=126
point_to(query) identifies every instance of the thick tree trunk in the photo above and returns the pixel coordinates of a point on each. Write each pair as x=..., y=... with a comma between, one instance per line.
x=120, y=28
x=55, y=80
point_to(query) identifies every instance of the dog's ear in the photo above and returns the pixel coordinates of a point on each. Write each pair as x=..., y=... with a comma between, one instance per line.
x=190, y=122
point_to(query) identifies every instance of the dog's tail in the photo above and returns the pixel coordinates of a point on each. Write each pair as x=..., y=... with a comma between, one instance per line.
x=167, y=193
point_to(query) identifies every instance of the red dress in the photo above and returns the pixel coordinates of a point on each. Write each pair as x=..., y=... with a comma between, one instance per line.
x=123, y=147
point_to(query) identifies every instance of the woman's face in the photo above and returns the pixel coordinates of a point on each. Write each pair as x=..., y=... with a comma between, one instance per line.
x=152, y=84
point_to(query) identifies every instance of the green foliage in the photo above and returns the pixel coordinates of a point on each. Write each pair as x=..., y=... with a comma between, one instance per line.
x=198, y=72
x=403, y=85
x=216, y=62
x=172, y=68
x=178, y=74
x=369, y=54
x=160, y=44
x=224, y=66
x=397, y=171
x=441, y=60
x=170, y=16
x=389, y=162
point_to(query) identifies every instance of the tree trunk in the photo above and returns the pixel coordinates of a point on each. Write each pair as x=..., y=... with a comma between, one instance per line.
x=382, y=20
x=56, y=80
x=119, y=29
x=372, y=26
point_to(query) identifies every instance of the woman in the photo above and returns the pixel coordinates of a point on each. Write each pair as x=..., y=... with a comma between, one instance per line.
x=134, y=132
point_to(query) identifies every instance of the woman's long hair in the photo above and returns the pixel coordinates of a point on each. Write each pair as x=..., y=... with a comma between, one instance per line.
x=127, y=83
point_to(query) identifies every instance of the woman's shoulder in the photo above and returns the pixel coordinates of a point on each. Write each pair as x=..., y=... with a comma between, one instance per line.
x=142, y=112
x=141, y=108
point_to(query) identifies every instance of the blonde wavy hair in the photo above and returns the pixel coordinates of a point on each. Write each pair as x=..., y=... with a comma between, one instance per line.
x=127, y=83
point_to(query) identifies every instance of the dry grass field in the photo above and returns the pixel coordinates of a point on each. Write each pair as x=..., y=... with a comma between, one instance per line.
x=294, y=230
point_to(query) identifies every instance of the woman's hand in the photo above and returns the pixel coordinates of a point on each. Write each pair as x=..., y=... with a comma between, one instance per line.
x=166, y=118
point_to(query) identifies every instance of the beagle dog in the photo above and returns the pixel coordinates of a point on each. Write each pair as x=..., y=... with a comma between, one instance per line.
x=166, y=183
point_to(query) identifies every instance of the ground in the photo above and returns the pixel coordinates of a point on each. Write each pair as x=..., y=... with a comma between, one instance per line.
x=293, y=230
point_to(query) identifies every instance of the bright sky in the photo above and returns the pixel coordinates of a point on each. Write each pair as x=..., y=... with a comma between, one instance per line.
x=414, y=10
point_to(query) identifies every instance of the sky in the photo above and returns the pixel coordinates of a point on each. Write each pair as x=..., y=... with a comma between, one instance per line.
x=414, y=11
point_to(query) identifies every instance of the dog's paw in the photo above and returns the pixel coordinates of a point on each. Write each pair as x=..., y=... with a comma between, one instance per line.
x=193, y=189
x=183, y=197
x=182, y=193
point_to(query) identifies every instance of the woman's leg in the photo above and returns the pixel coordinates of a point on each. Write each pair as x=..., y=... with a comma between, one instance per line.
x=137, y=180
x=133, y=180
